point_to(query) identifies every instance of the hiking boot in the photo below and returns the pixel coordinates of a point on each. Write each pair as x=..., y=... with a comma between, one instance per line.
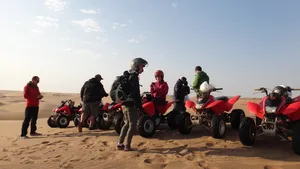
x=35, y=134
x=120, y=147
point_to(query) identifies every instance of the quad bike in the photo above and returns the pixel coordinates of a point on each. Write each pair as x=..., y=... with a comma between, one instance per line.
x=63, y=114
x=100, y=123
x=212, y=113
x=275, y=115
x=152, y=116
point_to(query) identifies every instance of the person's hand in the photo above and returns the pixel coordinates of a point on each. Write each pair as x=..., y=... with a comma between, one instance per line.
x=40, y=96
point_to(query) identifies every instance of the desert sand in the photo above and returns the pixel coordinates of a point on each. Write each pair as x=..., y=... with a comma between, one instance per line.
x=68, y=149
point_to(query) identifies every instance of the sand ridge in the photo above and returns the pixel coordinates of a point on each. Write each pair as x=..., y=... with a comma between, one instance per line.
x=67, y=149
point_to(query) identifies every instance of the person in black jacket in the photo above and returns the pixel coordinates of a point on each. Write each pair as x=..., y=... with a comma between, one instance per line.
x=181, y=89
x=91, y=95
x=132, y=105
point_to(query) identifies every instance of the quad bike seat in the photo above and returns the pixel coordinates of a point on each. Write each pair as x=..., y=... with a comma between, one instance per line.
x=224, y=98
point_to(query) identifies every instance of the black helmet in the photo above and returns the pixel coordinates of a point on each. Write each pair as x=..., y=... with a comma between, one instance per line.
x=277, y=92
x=136, y=62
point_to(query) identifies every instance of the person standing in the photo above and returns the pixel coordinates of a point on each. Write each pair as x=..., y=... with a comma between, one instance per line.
x=132, y=105
x=91, y=94
x=181, y=89
x=32, y=95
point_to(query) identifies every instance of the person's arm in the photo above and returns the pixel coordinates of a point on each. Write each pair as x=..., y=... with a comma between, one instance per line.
x=196, y=81
x=102, y=91
x=165, y=89
x=27, y=94
x=82, y=91
x=136, y=91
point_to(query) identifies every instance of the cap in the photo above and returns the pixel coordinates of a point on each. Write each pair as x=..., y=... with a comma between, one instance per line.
x=98, y=77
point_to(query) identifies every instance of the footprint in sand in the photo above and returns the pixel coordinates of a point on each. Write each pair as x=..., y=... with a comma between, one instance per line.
x=85, y=139
x=209, y=144
x=152, y=164
x=66, y=165
x=141, y=144
x=271, y=167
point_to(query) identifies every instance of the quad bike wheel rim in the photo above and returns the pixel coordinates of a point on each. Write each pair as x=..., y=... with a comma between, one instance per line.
x=63, y=121
x=148, y=126
x=222, y=127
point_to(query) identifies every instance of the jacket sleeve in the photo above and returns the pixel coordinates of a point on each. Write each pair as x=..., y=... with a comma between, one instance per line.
x=165, y=89
x=102, y=91
x=26, y=93
x=196, y=81
x=136, y=91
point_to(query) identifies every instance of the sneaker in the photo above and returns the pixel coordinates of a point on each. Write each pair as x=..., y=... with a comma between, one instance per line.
x=120, y=146
x=35, y=134
x=24, y=137
x=128, y=148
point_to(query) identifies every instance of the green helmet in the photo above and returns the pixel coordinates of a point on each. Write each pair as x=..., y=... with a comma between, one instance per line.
x=136, y=62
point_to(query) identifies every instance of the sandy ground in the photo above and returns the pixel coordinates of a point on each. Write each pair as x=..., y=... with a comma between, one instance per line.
x=65, y=148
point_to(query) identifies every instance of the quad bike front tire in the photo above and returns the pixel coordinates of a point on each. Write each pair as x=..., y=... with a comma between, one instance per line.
x=172, y=119
x=118, y=122
x=146, y=126
x=236, y=116
x=51, y=123
x=296, y=138
x=76, y=120
x=102, y=124
x=247, y=131
x=184, y=123
x=218, y=126
x=62, y=121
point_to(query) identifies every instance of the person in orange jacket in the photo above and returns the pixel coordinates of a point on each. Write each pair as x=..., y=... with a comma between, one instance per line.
x=159, y=89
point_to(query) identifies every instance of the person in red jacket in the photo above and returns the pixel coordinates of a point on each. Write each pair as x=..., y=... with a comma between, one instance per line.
x=32, y=95
x=159, y=89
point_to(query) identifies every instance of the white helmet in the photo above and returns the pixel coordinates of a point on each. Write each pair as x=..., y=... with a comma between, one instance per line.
x=289, y=92
x=205, y=87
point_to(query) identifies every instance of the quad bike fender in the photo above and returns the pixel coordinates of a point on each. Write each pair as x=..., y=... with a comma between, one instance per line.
x=255, y=109
x=119, y=105
x=167, y=106
x=296, y=99
x=217, y=106
x=65, y=109
x=229, y=104
x=105, y=107
x=292, y=108
x=149, y=108
x=190, y=105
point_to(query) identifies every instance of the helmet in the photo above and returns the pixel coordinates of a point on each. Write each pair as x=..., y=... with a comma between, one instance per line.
x=159, y=73
x=288, y=90
x=135, y=63
x=205, y=87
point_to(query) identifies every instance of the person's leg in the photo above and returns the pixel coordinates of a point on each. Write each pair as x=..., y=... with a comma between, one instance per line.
x=132, y=119
x=84, y=115
x=35, y=111
x=26, y=121
x=95, y=109
x=125, y=127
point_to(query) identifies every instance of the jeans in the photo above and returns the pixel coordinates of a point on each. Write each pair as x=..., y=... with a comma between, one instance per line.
x=31, y=114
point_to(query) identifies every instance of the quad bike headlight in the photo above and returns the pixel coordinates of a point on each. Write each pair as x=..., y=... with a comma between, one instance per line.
x=270, y=109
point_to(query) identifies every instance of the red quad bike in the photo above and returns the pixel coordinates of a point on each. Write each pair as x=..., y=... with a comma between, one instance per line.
x=211, y=112
x=149, y=120
x=63, y=114
x=274, y=117
x=99, y=120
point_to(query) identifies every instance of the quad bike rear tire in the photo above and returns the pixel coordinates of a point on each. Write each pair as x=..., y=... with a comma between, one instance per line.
x=218, y=126
x=296, y=138
x=118, y=122
x=236, y=116
x=172, y=119
x=102, y=124
x=247, y=131
x=146, y=126
x=51, y=122
x=62, y=121
x=184, y=123
x=76, y=120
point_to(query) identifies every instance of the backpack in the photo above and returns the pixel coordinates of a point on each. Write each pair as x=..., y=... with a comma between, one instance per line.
x=121, y=88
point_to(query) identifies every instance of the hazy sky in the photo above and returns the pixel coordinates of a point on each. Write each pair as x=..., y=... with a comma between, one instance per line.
x=240, y=44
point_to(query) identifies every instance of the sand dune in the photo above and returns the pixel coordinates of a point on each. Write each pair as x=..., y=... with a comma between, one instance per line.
x=67, y=149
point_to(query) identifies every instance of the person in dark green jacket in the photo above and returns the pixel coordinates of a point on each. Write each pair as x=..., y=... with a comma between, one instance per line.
x=200, y=77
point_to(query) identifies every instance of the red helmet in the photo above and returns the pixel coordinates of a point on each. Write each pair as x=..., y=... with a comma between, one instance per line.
x=159, y=73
